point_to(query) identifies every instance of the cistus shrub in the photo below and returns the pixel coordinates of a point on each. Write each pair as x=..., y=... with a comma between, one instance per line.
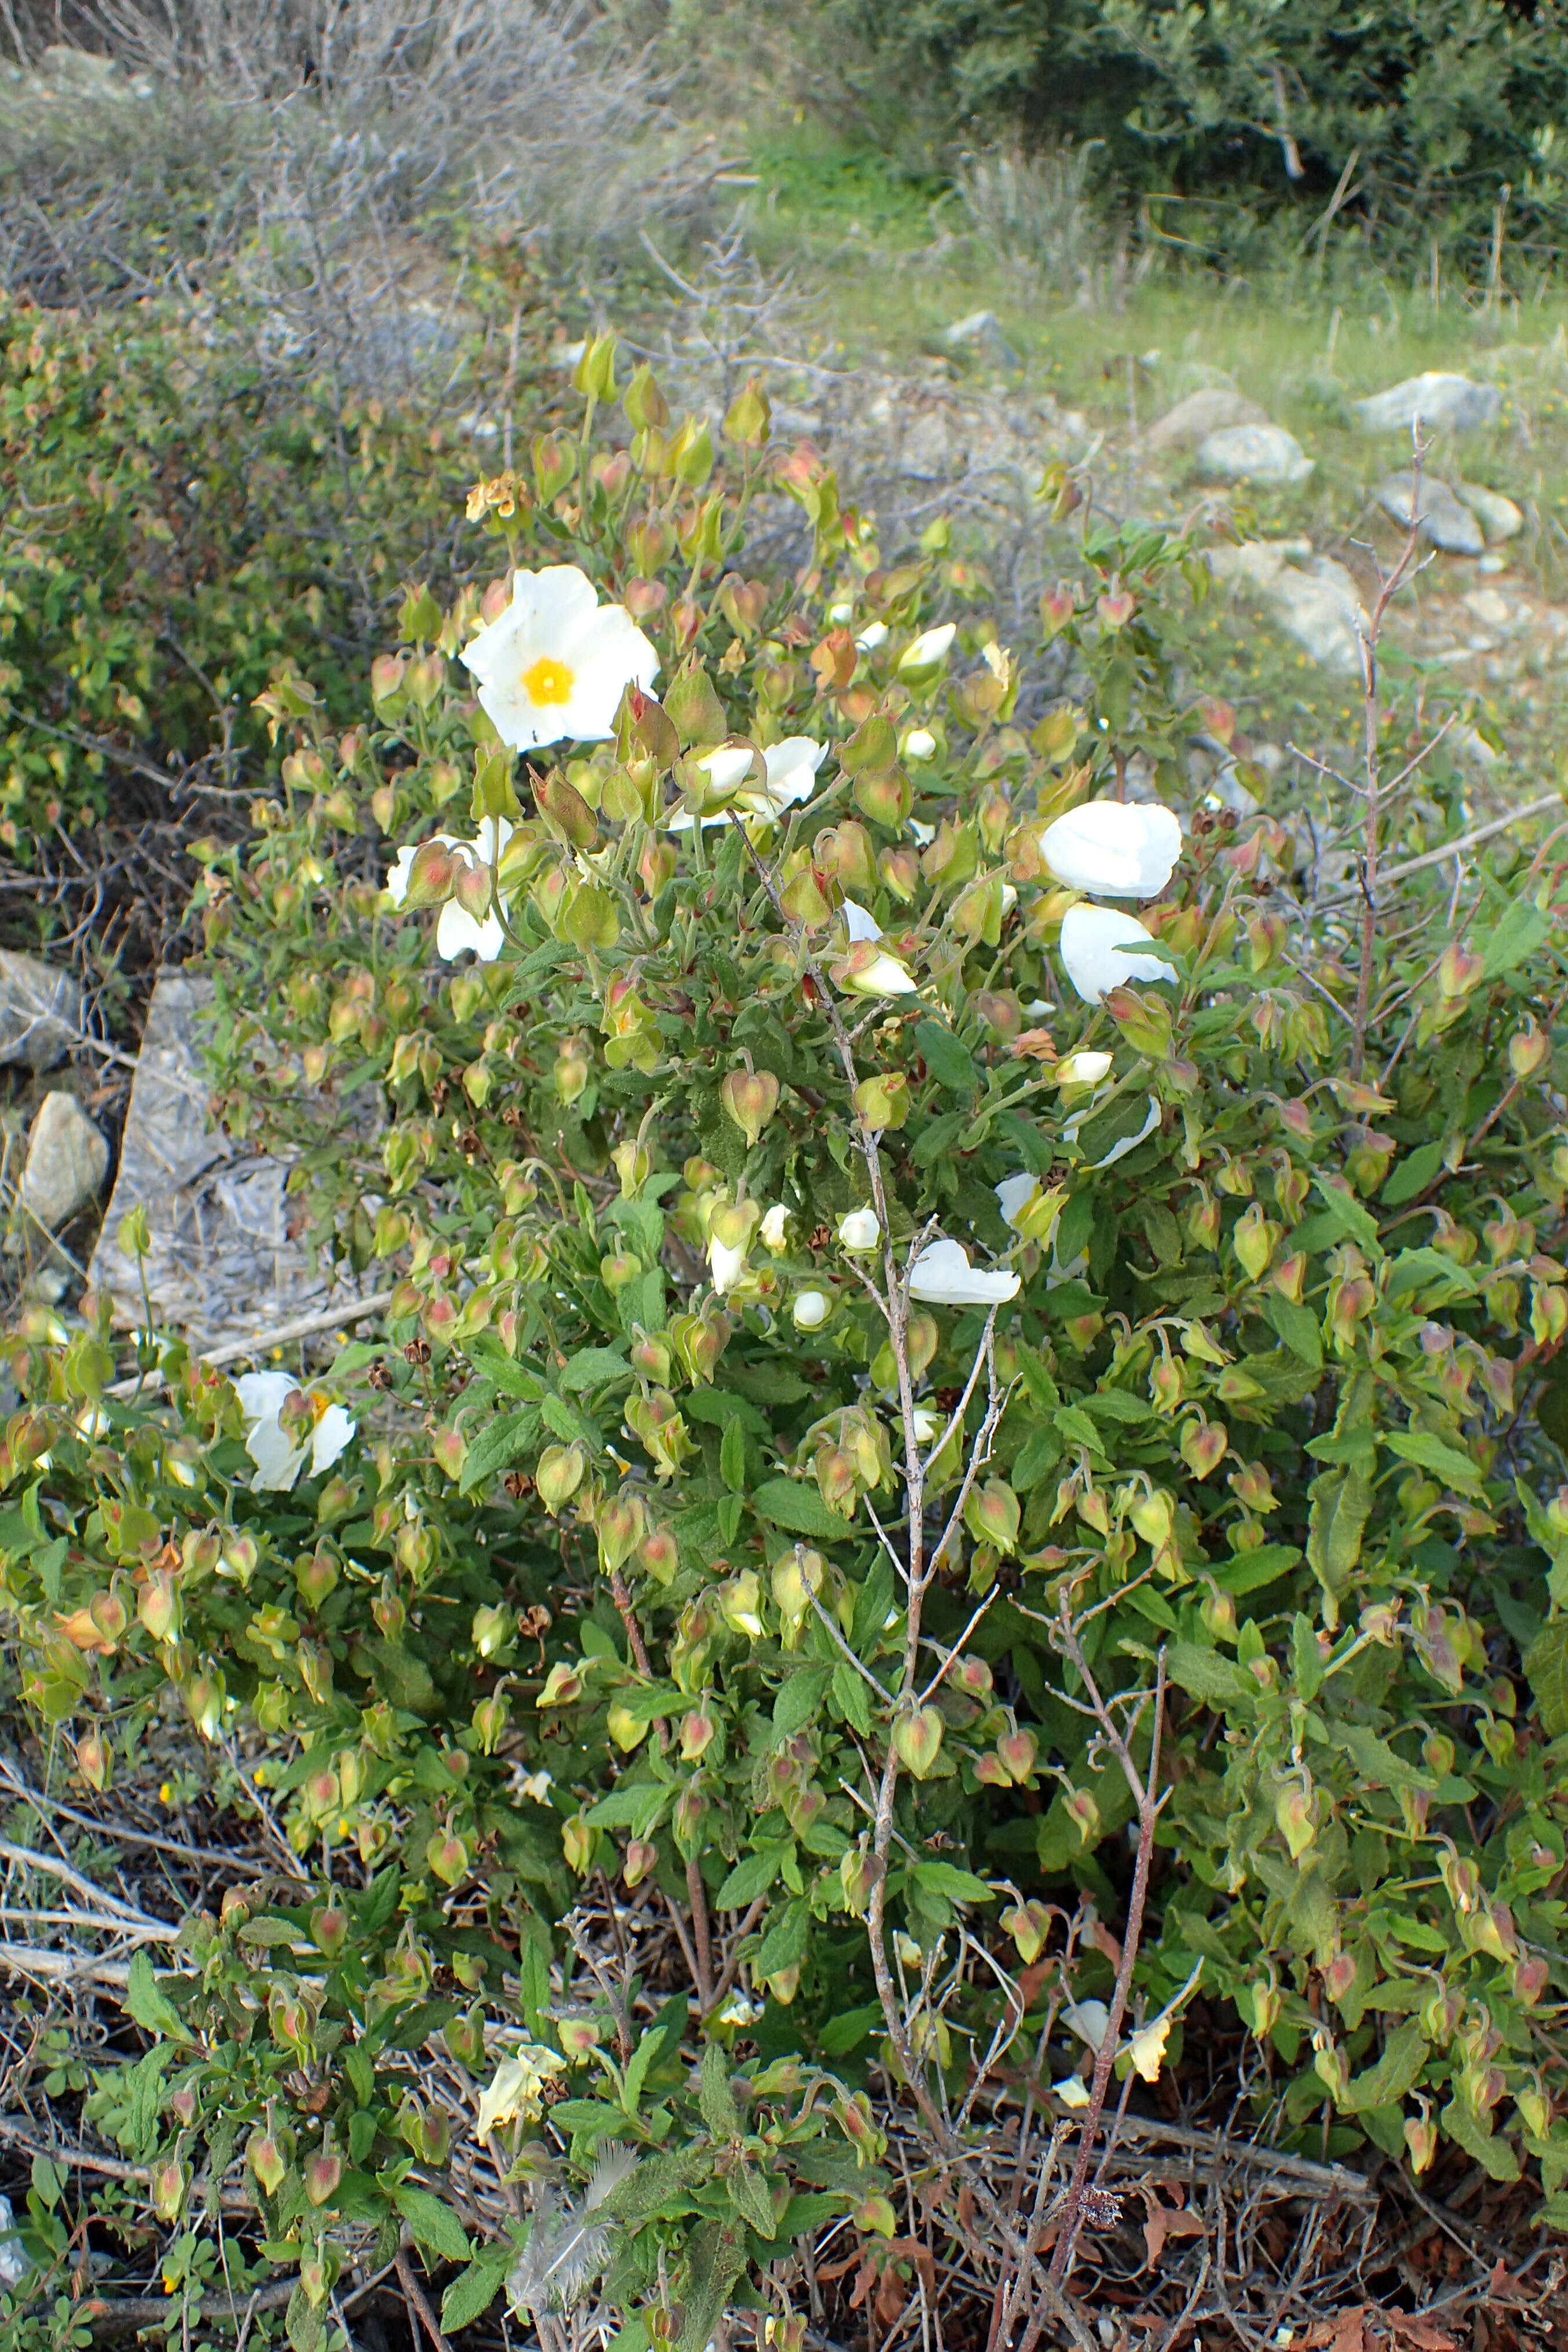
x=904, y=1262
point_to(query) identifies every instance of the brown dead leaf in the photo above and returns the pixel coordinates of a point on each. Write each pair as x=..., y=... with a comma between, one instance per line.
x=891, y=2296
x=1167, y=2221
x=865, y=2280
x=1349, y=2331
x=80, y=1629
x=1412, y=2327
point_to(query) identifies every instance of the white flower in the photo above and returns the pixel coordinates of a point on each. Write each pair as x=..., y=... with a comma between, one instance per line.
x=906, y=1949
x=1072, y=2091
x=536, y=1786
x=872, y=637
x=726, y=1265
x=457, y=931
x=1101, y=951
x=859, y=1229
x=928, y=650
x=839, y=614
x=553, y=666
x=1015, y=1194
x=739, y=2010
x=518, y=2088
x=277, y=1457
x=920, y=743
x=790, y=778
x=775, y=1228
x=1082, y=1069
x=858, y=924
x=809, y=1310
x=924, y=1424
x=944, y=1276
x=924, y=834
x=1117, y=850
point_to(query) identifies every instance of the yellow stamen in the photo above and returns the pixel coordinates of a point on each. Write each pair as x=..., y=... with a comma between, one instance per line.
x=548, y=682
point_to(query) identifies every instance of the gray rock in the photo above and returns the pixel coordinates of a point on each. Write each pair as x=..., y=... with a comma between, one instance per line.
x=1444, y=521
x=222, y=1262
x=981, y=332
x=67, y=1162
x=1212, y=410
x=1447, y=402
x=41, y=1011
x=1498, y=518
x=1253, y=452
x=1315, y=600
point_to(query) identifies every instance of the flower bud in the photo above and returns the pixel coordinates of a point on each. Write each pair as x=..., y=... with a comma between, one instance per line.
x=641, y=1859
x=1296, y=1813
x=1458, y=970
x=917, y=1740
x=1528, y=1050
x=563, y=1685
x=1029, y=1925
x=579, y=1842
x=1084, y=1813
x=991, y=1515
x=93, y=1759
x=1018, y=1750
x=883, y=1101
x=751, y=1097
x=329, y=1928
x=554, y=465
x=267, y=2156
x=698, y=1731
x=560, y=1471
x=1266, y=2007
x=809, y=1310
x=1421, y=2140
x=158, y=1606
x=740, y=1602
x=170, y=2181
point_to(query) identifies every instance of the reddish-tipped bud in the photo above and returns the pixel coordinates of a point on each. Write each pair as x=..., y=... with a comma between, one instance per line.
x=1029, y=1925
x=917, y=1740
x=329, y=1928
x=751, y=1097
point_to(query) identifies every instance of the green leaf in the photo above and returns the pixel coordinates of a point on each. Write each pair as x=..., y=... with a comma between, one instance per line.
x=949, y=1062
x=1116, y=1404
x=1413, y=1173
x=153, y=2009
x=1205, y=1674
x=1521, y=931
x=1546, y=1667
x=637, y=1809
x=1297, y=1326
x=714, y=2096
x=1342, y=1504
x=1249, y=1571
x=749, y=2195
x=844, y=2033
x=732, y=1458
x=648, y=2055
x=852, y=1697
x=752, y=1875
x=1351, y=1215
x=1429, y=1452
x=1037, y=1458
x=1466, y=2129
x=791, y=1503
x=435, y=2228
x=715, y=2258
x=498, y=1445
x=473, y=2291
x=784, y=1942
x=397, y=1674
x=1379, y=1764
x=798, y=1699
x=1397, y=2071
x=593, y=1368
x=946, y=1878
x=565, y=1422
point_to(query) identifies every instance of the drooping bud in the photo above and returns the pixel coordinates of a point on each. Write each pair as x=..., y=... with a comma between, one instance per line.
x=329, y=1928
x=751, y=1097
x=323, y=2173
x=698, y=1730
x=268, y=2160
x=560, y=1471
x=1528, y=1050
x=917, y=1740
x=991, y=1515
x=1018, y=1750
x=1296, y=1813
x=883, y=1101
x=1084, y=1813
x=1029, y=1925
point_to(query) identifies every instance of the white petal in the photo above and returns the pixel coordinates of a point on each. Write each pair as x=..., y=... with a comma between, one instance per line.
x=725, y=1265
x=929, y=648
x=333, y=1432
x=402, y=873
x=1146, y=2048
x=1082, y=1069
x=1089, y=2019
x=1100, y=948
x=809, y=1310
x=727, y=767
x=924, y=834
x=458, y=932
x=860, y=924
x=263, y=1395
x=885, y=976
x=792, y=768
x=1072, y=2091
x=774, y=1227
x=1117, y=850
x=872, y=637
x=944, y=1276
x=1014, y=1193
x=277, y=1461
x=859, y=1229
x=920, y=743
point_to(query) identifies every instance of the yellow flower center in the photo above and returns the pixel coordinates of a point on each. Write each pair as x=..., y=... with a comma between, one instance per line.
x=547, y=682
